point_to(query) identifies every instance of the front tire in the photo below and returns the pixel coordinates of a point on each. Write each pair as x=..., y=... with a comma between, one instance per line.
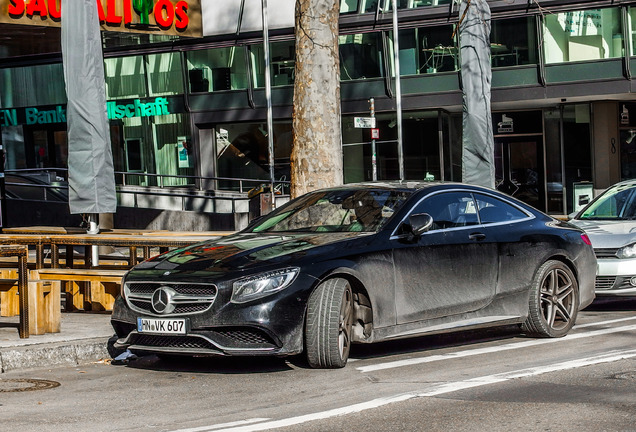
x=329, y=323
x=554, y=301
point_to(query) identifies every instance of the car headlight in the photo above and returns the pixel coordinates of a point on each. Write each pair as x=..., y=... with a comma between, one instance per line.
x=628, y=251
x=261, y=285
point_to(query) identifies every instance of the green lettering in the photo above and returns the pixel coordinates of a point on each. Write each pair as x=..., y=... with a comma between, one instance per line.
x=31, y=116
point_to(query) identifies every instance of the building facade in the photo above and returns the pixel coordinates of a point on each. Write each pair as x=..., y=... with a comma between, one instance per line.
x=189, y=115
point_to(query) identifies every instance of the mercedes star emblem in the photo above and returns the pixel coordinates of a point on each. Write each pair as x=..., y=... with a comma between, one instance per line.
x=162, y=300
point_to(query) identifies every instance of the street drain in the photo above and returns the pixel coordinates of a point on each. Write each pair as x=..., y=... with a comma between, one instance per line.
x=25, y=384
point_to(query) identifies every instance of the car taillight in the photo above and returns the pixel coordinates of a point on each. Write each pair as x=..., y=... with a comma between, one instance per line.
x=586, y=239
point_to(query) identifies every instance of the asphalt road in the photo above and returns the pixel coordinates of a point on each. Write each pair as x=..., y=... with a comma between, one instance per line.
x=494, y=380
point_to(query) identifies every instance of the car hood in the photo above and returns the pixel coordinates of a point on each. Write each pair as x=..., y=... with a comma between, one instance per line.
x=246, y=250
x=608, y=234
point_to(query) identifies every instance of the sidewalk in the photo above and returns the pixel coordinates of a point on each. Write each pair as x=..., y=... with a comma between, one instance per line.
x=83, y=339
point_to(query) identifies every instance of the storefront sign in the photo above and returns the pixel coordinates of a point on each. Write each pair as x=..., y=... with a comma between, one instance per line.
x=57, y=114
x=506, y=125
x=166, y=17
x=364, y=122
x=138, y=109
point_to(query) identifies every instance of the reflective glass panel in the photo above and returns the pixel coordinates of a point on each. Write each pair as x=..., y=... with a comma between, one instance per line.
x=217, y=69
x=582, y=35
x=125, y=77
x=425, y=50
x=513, y=42
x=360, y=56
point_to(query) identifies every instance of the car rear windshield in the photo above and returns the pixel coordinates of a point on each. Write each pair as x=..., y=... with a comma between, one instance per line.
x=364, y=210
x=618, y=203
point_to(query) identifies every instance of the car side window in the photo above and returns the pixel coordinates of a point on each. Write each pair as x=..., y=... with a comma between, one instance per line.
x=493, y=210
x=449, y=210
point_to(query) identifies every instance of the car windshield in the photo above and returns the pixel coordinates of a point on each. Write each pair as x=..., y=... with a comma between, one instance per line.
x=340, y=210
x=618, y=203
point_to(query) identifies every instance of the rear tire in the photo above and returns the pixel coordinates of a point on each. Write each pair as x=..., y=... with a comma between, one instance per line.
x=554, y=301
x=329, y=323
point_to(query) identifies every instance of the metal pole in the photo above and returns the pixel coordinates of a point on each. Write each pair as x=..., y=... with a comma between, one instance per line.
x=374, y=161
x=93, y=228
x=398, y=89
x=268, y=96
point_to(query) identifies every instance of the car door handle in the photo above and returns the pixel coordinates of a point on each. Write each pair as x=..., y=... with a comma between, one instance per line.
x=477, y=236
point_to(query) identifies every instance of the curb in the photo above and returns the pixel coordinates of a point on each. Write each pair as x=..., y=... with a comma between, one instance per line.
x=70, y=353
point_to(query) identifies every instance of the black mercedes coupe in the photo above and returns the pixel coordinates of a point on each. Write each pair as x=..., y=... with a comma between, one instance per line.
x=360, y=263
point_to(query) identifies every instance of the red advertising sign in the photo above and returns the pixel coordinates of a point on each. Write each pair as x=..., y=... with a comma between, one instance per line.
x=169, y=17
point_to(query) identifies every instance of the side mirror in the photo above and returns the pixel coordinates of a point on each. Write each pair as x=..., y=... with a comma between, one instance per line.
x=420, y=223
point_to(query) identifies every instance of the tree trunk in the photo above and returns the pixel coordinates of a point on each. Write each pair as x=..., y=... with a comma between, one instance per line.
x=316, y=156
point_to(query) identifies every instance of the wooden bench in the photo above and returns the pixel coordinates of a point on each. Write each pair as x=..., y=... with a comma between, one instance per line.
x=87, y=289
x=44, y=304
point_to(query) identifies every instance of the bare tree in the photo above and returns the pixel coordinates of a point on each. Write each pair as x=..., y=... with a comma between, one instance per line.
x=316, y=157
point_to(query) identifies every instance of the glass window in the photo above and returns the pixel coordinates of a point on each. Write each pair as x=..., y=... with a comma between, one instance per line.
x=583, y=35
x=420, y=145
x=618, y=203
x=552, y=138
x=121, y=39
x=358, y=6
x=513, y=42
x=425, y=50
x=22, y=40
x=492, y=210
x=32, y=86
x=150, y=145
x=357, y=150
x=449, y=210
x=632, y=30
x=164, y=74
x=242, y=153
x=337, y=210
x=217, y=69
x=125, y=77
x=410, y=4
x=360, y=56
x=282, y=64
x=577, y=147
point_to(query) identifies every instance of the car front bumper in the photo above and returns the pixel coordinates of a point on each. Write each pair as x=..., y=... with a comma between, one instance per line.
x=616, y=277
x=271, y=328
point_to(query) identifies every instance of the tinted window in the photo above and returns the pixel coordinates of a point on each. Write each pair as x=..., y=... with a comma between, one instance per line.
x=449, y=210
x=334, y=210
x=617, y=203
x=492, y=210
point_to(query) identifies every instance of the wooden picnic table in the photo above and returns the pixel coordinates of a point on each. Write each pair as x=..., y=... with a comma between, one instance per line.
x=132, y=242
x=20, y=252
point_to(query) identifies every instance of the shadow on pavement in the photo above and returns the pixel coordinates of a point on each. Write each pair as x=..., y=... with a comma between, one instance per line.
x=434, y=342
x=612, y=304
x=210, y=365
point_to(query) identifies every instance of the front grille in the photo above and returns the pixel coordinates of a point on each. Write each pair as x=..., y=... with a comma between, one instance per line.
x=210, y=341
x=606, y=253
x=185, y=298
x=604, y=282
x=176, y=342
x=246, y=336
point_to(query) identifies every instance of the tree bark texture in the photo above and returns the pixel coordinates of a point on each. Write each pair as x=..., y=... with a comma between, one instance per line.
x=316, y=156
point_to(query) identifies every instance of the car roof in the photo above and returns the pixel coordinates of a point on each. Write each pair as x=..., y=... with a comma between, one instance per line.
x=410, y=185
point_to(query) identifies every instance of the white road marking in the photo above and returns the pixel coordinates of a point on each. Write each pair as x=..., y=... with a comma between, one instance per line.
x=595, y=324
x=493, y=349
x=434, y=390
x=224, y=425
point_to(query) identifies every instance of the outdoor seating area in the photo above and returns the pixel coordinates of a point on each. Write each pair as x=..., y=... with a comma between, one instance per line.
x=44, y=270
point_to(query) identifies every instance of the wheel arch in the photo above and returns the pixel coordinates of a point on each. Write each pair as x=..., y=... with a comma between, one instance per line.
x=362, y=305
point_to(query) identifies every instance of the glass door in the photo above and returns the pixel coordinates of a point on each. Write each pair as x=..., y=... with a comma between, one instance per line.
x=519, y=169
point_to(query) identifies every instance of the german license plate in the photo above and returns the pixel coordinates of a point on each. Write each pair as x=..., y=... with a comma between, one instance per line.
x=161, y=326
